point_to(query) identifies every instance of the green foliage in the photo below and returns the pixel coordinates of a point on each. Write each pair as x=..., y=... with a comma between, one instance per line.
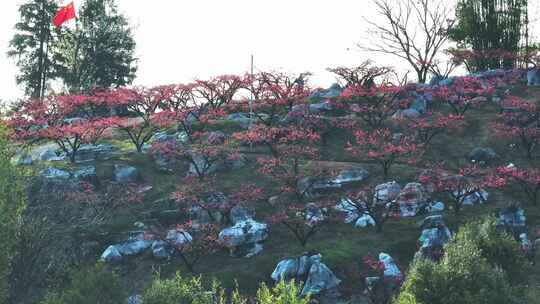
x=179, y=290
x=469, y=272
x=498, y=248
x=12, y=204
x=282, y=293
x=30, y=46
x=100, y=52
x=94, y=285
x=183, y=290
x=491, y=25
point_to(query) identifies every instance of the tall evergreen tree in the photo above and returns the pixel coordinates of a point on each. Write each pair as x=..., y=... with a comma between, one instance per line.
x=31, y=45
x=492, y=25
x=99, y=52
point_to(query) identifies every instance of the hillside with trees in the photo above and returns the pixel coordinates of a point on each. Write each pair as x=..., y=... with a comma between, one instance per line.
x=261, y=188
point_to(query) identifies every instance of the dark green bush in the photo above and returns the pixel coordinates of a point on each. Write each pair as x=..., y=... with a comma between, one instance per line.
x=282, y=293
x=180, y=290
x=470, y=273
x=192, y=291
x=497, y=247
x=94, y=285
x=12, y=204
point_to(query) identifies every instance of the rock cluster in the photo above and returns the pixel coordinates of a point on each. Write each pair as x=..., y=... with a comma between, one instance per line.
x=245, y=238
x=310, y=269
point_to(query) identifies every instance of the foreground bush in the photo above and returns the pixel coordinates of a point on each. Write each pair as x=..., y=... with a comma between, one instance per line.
x=94, y=285
x=12, y=203
x=179, y=290
x=497, y=247
x=471, y=271
x=282, y=293
x=183, y=290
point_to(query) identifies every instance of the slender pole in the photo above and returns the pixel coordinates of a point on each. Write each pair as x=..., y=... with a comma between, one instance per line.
x=252, y=96
x=251, y=102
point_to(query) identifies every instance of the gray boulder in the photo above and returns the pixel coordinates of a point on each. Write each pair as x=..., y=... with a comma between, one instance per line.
x=163, y=137
x=240, y=214
x=344, y=178
x=135, y=299
x=75, y=120
x=134, y=247
x=178, y=237
x=533, y=77
x=419, y=104
x=54, y=173
x=320, y=279
x=125, y=174
x=111, y=254
x=388, y=283
x=49, y=155
x=431, y=221
x=314, y=214
x=333, y=91
x=241, y=118
x=202, y=216
x=477, y=197
x=411, y=199
x=364, y=221
x=244, y=238
x=345, y=205
x=348, y=176
x=406, y=114
x=321, y=106
x=390, y=267
x=482, y=155
x=435, y=237
x=200, y=166
x=435, y=207
x=292, y=268
x=86, y=173
x=161, y=250
x=96, y=152
x=244, y=120
x=387, y=192
x=512, y=219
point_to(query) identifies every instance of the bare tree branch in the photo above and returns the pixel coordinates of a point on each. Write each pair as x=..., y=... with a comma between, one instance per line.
x=413, y=30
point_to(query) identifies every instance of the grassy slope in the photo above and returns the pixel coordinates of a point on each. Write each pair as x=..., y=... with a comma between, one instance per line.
x=340, y=244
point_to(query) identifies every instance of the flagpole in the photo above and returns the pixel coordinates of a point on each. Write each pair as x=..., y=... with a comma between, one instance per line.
x=252, y=96
x=251, y=103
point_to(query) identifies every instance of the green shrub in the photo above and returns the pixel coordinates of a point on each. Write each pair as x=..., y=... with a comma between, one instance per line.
x=12, y=204
x=94, y=285
x=498, y=248
x=282, y=293
x=468, y=274
x=180, y=290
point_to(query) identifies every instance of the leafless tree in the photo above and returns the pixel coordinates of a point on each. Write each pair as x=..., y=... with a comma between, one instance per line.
x=414, y=30
x=363, y=75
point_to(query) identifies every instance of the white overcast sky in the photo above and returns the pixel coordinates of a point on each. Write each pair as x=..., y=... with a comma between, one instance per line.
x=179, y=40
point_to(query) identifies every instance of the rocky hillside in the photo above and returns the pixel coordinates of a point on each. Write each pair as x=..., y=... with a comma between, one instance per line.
x=313, y=185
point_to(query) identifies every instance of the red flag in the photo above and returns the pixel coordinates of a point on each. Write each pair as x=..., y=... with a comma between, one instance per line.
x=64, y=14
